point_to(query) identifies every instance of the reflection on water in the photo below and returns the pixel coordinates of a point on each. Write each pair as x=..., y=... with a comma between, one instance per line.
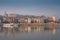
x=29, y=33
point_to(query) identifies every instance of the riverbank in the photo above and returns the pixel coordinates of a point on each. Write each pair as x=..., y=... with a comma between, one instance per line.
x=56, y=25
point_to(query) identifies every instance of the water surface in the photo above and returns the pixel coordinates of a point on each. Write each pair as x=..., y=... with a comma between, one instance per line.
x=49, y=34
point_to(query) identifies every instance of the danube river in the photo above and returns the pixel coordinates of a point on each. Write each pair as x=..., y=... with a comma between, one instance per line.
x=30, y=33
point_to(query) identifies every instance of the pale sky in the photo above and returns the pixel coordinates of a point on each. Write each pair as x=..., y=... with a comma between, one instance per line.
x=31, y=7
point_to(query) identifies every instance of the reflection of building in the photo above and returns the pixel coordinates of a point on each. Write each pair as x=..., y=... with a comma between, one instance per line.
x=54, y=31
x=29, y=29
x=37, y=29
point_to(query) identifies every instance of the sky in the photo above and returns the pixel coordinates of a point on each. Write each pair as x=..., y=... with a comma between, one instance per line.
x=31, y=7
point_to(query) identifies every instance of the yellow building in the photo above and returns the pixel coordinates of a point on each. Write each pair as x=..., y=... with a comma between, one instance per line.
x=22, y=20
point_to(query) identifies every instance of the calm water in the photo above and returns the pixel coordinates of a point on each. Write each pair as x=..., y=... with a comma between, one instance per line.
x=51, y=34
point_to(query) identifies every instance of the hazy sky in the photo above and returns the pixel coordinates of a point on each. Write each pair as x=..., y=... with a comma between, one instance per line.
x=31, y=7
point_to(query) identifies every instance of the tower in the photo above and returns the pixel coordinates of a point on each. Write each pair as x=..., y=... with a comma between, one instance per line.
x=6, y=15
x=54, y=19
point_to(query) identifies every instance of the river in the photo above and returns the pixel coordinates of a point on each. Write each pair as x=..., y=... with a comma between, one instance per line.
x=45, y=34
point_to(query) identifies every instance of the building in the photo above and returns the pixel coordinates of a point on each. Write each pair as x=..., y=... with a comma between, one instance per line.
x=28, y=20
x=52, y=19
x=37, y=20
x=22, y=20
x=1, y=24
x=12, y=18
x=5, y=17
x=1, y=20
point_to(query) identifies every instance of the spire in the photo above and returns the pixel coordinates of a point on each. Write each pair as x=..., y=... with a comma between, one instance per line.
x=6, y=15
x=5, y=12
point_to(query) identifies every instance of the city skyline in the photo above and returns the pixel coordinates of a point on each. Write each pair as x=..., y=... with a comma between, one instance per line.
x=31, y=7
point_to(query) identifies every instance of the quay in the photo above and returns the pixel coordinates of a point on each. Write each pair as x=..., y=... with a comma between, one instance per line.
x=28, y=27
x=56, y=25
